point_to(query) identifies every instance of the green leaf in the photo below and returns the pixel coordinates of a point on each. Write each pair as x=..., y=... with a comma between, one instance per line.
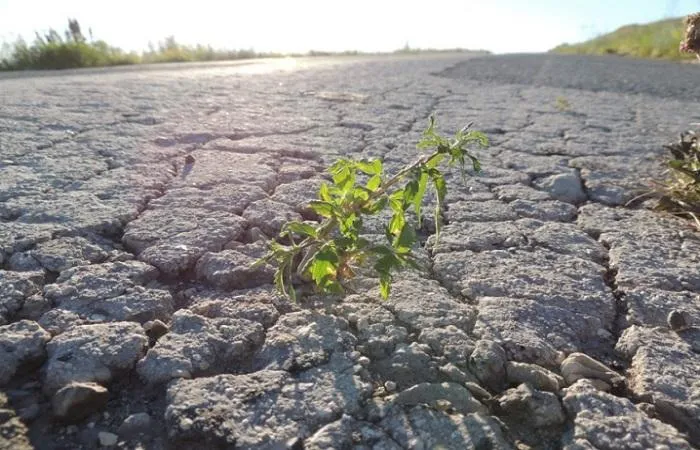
x=375, y=206
x=410, y=192
x=324, y=267
x=396, y=201
x=301, y=228
x=398, y=220
x=322, y=208
x=323, y=193
x=476, y=164
x=374, y=182
x=385, y=285
x=407, y=237
x=439, y=183
x=279, y=280
x=348, y=224
x=373, y=167
x=434, y=161
x=418, y=200
x=344, y=179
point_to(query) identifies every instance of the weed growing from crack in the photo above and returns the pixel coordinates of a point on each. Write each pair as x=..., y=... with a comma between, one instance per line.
x=680, y=193
x=329, y=252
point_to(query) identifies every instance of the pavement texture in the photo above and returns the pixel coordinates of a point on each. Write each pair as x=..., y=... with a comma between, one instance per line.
x=549, y=315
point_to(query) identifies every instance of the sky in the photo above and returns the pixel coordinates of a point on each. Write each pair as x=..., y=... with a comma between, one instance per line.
x=501, y=26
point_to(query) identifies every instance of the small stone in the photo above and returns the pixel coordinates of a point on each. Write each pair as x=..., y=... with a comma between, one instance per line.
x=189, y=159
x=535, y=408
x=390, y=386
x=416, y=444
x=97, y=318
x=364, y=361
x=565, y=187
x=295, y=443
x=431, y=393
x=488, y=363
x=135, y=424
x=107, y=439
x=77, y=400
x=538, y=377
x=678, y=320
x=477, y=391
x=362, y=324
x=579, y=365
x=647, y=408
x=155, y=329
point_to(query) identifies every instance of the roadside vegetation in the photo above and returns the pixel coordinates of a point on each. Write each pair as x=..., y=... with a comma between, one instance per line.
x=680, y=192
x=73, y=49
x=652, y=40
x=330, y=251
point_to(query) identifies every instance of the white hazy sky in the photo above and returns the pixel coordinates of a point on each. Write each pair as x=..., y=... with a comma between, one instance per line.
x=501, y=26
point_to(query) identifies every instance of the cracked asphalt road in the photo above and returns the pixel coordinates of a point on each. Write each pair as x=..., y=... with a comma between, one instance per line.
x=539, y=320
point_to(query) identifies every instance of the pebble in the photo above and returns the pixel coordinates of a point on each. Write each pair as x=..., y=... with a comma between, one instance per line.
x=107, y=439
x=295, y=443
x=678, y=320
x=390, y=386
x=155, y=329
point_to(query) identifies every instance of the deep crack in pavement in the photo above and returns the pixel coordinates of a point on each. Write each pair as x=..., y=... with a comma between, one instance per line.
x=539, y=320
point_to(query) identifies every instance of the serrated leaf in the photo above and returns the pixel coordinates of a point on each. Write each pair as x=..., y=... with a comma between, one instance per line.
x=324, y=193
x=361, y=194
x=398, y=220
x=405, y=240
x=374, y=182
x=324, y=209
x=375, y=206
x=396, y=201
x=476, y=164
x=418, y=200
x=439, y=183
x=279, y=280
x=373, y=167
x=410, y=191
x=324, y=267
x=434, y=161
x=301, y=228
x=344, y=179
x=385, y=286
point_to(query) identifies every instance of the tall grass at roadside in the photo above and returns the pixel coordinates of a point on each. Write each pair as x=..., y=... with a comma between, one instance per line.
x=73, y=50
x=652, y=40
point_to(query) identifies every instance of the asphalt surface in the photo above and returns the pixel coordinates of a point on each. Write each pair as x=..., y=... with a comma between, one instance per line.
x=587, y=73
x=541, y=269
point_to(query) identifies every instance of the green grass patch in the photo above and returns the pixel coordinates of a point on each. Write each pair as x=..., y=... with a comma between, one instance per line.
x=658, y=40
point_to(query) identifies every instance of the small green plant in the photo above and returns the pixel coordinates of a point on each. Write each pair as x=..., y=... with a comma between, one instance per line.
x=329, y=252
x=562, y=104
x=680, y=193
